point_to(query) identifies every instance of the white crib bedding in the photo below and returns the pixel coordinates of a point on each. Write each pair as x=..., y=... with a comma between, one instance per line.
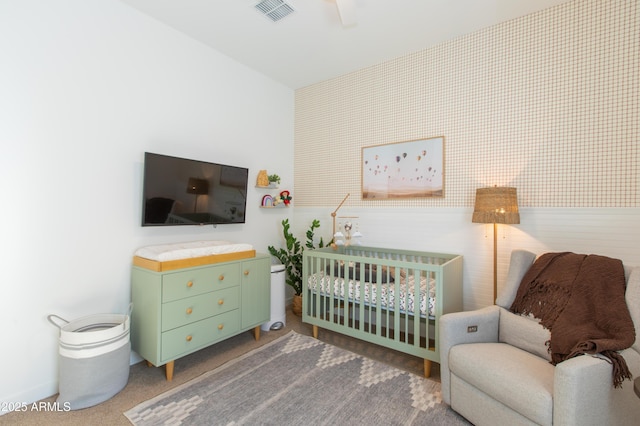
x=387, y=297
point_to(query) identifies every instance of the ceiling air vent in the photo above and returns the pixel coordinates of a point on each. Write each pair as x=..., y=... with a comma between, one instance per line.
x=274, y=9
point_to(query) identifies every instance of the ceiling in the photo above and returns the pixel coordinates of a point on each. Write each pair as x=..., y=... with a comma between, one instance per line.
x=311, y=45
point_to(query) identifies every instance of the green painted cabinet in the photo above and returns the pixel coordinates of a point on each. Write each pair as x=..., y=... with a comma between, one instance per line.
x=181, y=311
x=255, y=292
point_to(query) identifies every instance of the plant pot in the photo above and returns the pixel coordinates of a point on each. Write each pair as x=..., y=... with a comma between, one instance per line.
x=296, y=306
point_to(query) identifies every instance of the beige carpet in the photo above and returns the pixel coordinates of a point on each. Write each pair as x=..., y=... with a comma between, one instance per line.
x=299, y=380
x=148, y=382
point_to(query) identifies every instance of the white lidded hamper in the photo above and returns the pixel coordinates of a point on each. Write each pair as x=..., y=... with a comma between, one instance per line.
x=278, y=315
x=93, y=358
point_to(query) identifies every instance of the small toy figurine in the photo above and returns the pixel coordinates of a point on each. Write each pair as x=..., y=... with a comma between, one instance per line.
x=285, y=197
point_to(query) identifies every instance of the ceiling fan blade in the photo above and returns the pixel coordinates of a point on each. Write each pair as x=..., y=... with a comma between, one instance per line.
x=347, y=12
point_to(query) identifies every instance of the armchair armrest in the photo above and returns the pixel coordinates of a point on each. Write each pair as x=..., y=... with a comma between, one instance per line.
x=458, y=328
x=583, y=393
x=454, y=327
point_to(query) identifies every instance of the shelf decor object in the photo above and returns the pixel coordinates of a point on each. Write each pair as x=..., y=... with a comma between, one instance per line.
x=274, y=180
x=281, y=200
x=265, y=180
x=262, y=180
x=496, y=205
x=285, y=198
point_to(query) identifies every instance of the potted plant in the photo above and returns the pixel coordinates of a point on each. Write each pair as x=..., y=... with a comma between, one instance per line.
x=291, y=258
x=274, y=180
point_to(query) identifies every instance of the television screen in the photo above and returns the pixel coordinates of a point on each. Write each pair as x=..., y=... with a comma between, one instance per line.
x=178, y=191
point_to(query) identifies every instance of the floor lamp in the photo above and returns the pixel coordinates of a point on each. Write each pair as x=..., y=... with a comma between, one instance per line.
x=496, y=205
x=198, y=187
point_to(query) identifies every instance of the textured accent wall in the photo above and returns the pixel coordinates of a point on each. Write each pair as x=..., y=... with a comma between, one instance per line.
x=548, y=103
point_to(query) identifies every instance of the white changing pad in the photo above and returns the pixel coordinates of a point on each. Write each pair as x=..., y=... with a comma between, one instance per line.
x=176, y=251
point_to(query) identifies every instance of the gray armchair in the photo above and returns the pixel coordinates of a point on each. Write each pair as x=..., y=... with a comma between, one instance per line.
x=495, y=367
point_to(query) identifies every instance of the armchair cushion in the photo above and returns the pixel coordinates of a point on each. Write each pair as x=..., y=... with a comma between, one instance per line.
x=497, y=369
x=454, y=330
x=524, y=332
x=521, y=261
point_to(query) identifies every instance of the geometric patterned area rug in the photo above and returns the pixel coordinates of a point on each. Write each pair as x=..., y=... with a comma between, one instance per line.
x=299, y=380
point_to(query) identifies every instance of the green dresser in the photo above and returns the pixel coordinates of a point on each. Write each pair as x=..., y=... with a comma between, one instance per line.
x=180, y=311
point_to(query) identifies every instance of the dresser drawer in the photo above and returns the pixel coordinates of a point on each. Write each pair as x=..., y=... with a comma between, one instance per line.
x=199, y=334
x=196, y=308
x=179, y=285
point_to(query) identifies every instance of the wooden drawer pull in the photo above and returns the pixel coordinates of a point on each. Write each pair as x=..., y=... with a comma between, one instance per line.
x=220, y=301
x=220, y=326
x=190, y=284
x=189, y=338
x=189, y=311
x=221, y=278
x=246, y=272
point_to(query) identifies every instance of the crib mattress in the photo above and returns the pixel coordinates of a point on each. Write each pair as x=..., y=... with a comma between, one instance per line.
x=342, y=287
x=166, y=257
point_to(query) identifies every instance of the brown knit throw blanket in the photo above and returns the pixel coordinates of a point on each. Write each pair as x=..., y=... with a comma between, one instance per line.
x=580, y=299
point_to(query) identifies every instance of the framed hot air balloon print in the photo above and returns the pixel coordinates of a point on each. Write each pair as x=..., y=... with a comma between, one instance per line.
x=409, y=169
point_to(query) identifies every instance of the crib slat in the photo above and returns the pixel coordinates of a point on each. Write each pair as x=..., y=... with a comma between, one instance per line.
x=417, y=292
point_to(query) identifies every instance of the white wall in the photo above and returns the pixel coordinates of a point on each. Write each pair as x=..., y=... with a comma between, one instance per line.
x=86, y=88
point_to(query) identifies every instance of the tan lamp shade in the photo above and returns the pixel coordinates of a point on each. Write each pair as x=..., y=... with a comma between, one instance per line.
x=496, y=205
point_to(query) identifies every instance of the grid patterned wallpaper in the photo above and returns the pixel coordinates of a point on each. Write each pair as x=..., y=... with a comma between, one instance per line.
x=548, y=103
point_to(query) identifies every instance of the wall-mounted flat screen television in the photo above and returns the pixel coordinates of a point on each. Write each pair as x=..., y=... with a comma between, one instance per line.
x=179, y=191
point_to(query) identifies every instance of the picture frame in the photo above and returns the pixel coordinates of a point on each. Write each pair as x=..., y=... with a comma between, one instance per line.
x=409, y=169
